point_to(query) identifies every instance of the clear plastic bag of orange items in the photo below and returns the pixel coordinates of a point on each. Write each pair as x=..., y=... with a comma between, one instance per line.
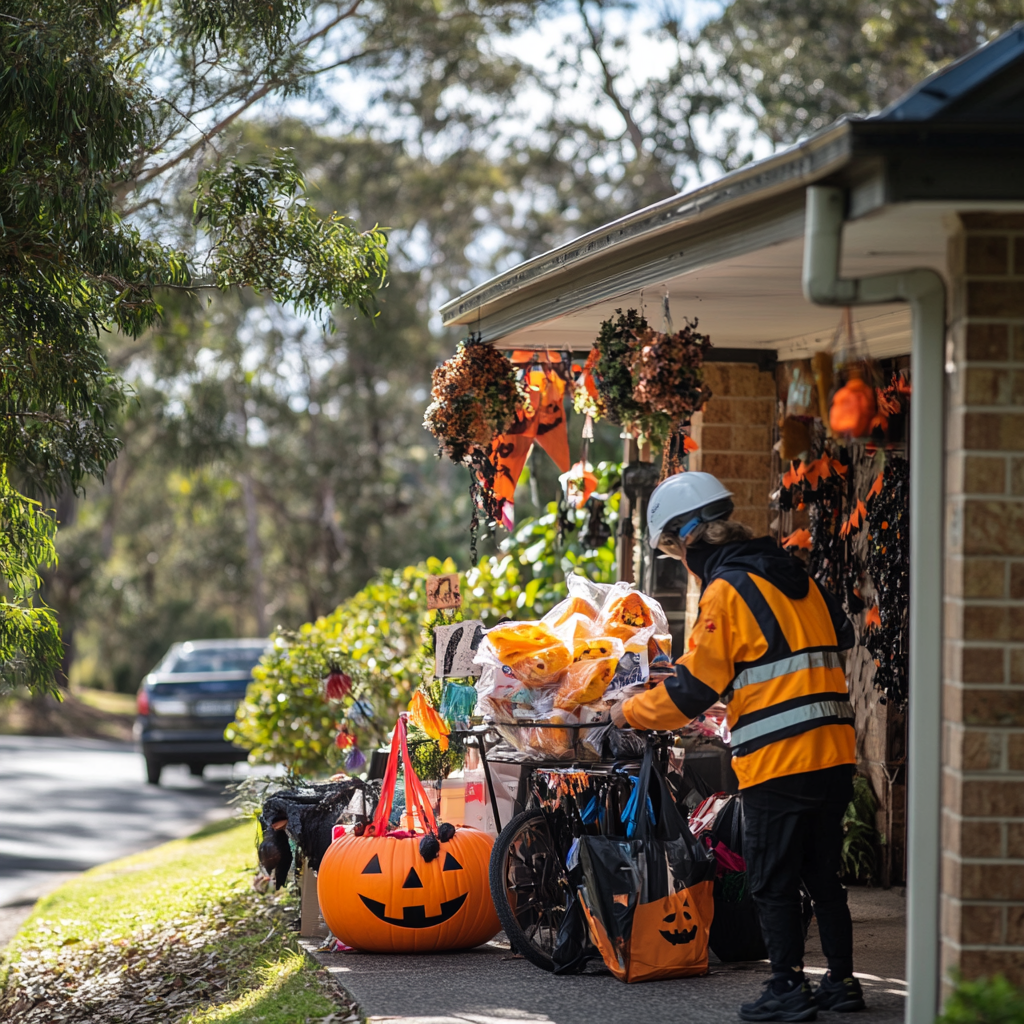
x=573, y=665
x=531, y=650
x=586, y=679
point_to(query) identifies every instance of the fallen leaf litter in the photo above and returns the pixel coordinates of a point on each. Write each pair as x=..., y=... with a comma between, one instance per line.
x=155, y=976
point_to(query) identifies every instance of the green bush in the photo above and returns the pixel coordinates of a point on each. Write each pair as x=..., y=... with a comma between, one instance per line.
x=984, y=1001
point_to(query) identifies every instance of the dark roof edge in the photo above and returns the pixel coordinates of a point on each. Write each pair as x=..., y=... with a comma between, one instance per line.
x=813, y=158
x=953, y=82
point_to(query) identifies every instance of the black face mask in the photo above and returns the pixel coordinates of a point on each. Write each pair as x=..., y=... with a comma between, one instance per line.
x=697, y=556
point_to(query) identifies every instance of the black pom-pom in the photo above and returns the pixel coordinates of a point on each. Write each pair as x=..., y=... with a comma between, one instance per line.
x=429, y=848
x=446, y=832
x=359, y=828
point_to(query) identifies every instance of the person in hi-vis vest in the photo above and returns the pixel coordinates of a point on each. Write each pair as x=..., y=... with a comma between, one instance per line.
x=767, y=642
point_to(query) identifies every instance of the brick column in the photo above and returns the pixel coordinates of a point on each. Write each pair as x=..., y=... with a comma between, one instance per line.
x=735, y=436
x=983, y=708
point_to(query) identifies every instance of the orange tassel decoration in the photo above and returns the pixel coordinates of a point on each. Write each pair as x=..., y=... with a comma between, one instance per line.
x=423, y=716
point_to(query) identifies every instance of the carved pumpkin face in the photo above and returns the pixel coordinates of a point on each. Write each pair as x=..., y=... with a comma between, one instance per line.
x=380, y=895
x=680, y=934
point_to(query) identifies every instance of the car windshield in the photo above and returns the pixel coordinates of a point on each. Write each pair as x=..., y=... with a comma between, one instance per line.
x=216, y=659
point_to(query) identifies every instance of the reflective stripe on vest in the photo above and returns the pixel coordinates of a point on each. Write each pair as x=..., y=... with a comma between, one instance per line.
x=794, y=663
x=806, y=714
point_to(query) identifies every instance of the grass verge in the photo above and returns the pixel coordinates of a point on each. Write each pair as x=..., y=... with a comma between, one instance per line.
x=174, y=935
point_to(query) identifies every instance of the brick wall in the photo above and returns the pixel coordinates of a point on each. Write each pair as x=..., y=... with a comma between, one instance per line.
x=735, y=435
x=983, y=708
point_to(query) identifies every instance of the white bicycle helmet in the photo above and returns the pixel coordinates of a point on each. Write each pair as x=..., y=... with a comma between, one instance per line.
x=695, y=497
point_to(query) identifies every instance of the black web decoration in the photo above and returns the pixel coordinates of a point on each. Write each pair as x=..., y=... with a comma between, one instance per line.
x=888, y=564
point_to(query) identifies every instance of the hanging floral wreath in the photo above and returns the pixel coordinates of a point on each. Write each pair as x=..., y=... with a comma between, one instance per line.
x=475, y=396
x=667, y=372
x=609, y=368
x=644, y=380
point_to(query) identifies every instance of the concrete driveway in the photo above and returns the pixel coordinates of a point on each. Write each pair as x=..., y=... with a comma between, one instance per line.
x=488, y=985
x=69, y=804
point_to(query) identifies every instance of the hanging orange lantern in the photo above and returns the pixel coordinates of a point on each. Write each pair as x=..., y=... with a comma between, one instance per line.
x=853, y=409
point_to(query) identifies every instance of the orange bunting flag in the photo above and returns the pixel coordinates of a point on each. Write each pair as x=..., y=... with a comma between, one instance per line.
x=856, y=520
x=509, y=453
x=424, y=717
x=798, y=539
x=817, y=470
x=792, y=476
x=689, y=445
x=552, y=428
x=838, y=467
x=876, y=488
x=543, y=420
x=872, y=618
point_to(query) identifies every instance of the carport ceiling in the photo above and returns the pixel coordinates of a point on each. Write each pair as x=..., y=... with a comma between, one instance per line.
x=749, y=299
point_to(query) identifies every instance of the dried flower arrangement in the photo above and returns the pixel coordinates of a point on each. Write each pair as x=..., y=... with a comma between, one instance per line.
x=668, y=376
x=609, y=368
x=645, y=381
x=476, y=395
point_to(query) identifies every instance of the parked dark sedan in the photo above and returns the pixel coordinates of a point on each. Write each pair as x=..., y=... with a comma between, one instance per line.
x=185, y=703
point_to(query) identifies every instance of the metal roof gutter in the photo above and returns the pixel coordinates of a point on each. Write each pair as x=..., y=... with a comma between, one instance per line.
x=801, y=164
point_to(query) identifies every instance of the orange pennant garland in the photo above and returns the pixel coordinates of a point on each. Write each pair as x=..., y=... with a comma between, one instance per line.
x=798, y=539
x=552, y=429
x=876, y=488
x=543, y=420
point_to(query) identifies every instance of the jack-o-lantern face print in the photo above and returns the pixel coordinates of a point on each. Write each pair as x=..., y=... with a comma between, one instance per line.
x=414, y=916
x=380, y=895
x=679, y=936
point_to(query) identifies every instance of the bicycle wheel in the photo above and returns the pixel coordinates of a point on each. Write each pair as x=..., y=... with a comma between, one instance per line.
x=529, y=887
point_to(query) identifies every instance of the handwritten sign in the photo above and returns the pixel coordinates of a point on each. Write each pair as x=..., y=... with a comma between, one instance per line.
x=455, y=647
x=443, y=591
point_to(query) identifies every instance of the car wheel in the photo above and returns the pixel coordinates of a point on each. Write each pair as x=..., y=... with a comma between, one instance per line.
x=196, y=769
x=154, y=766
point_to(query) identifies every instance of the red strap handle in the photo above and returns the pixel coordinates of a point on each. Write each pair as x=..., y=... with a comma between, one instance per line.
x=415, y=794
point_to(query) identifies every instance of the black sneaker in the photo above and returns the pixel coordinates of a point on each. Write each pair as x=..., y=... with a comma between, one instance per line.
x=842, y=996
x=794, y=1002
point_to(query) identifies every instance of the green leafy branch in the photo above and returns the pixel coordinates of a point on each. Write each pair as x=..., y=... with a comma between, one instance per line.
x=266, y=235
x=30, y=643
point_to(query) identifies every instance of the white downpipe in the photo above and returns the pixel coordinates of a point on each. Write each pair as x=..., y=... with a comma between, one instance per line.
x=925, y=291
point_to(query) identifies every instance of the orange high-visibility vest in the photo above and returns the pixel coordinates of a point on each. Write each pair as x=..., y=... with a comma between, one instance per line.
x=775, y=661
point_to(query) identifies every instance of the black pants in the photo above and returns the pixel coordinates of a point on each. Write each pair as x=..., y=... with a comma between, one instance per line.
x=792, y=833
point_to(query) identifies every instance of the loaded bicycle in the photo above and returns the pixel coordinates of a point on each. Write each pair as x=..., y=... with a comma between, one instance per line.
x=554, y=801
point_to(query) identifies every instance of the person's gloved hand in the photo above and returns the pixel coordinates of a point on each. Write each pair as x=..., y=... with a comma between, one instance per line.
x=619, y=716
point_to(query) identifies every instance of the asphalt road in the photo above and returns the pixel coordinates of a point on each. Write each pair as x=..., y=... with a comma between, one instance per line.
x=69, y=804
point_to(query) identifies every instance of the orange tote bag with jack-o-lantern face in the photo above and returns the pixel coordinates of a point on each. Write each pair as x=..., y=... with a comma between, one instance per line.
x=648, y=899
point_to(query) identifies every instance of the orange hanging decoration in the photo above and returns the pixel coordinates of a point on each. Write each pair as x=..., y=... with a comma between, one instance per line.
x=798, y=539
x=542, y=420
x=424, y=717
x=580, y=484
x=853, y=409
x=552, y=428
x=876, y=488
